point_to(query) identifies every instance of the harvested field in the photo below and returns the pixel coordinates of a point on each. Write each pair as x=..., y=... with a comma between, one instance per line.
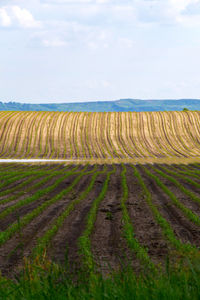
x=120, y=135
x=98, y=215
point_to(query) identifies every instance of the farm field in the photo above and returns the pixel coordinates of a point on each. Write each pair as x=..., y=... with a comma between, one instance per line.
x=99, y=216
x=100, y=136
x=118, y=218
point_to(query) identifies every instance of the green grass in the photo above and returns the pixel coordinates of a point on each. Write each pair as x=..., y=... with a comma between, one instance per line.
x=49, y=281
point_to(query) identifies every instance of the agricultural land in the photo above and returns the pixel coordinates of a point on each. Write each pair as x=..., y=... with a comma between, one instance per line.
x=121, y=220
x=100, y=136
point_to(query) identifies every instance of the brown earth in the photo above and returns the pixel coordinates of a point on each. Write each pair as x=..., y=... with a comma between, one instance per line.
x=108, y=244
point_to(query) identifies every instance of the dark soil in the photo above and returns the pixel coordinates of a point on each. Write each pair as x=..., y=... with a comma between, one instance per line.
x=108, y=244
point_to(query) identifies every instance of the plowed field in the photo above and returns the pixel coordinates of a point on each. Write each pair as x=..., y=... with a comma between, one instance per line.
x=102, y=215
x=126, y=135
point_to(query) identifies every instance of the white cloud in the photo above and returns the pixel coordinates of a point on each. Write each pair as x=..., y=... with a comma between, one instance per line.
x=17, y=16
x=5, y=20
x=24, y=17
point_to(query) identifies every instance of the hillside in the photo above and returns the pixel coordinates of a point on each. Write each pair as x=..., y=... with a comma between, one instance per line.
x=112, y=106
x=99, y=135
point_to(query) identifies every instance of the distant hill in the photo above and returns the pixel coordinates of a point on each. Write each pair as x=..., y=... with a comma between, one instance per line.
x=100, y=106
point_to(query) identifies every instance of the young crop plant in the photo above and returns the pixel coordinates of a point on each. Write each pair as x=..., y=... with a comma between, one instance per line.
x=12, y=229
x=36, y=195
x=84, y=240
x=49, y=174
x=14, y=176
x=178, y=184
x=185, y=175
x=186, y=249
x=187, y=212
x=44, y=241
x=129, y=234
x=187, y=171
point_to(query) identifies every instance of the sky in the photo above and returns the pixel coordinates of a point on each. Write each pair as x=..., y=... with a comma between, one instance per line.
x=89, y=50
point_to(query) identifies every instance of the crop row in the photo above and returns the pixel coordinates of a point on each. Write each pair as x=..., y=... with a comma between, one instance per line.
x=99, y=135
x=162, y=188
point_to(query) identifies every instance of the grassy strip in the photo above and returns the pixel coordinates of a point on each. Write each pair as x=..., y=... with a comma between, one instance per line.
x=37, y=195
x=43, y=242
x=84, y=240
x=49, y=281
x=129, y=234
x=10, y=231
x=177, y=183
x=166, y=228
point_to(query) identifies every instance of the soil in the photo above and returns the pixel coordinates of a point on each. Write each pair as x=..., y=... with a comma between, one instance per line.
x=108, y=243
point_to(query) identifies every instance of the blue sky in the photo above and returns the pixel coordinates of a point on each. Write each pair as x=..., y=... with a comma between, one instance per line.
x=86, y=50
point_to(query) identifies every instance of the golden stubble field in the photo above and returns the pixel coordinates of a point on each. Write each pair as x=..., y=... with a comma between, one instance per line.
x=117, y=136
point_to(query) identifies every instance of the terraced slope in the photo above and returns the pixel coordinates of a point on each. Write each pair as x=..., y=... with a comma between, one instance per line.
x=99, y=214
x=99, y=135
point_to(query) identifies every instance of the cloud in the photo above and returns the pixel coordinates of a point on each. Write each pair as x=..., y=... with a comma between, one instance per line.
x=17, y=16
x=5, y=19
